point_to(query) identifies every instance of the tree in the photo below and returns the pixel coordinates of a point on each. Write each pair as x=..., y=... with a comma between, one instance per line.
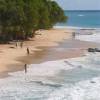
x=19, y=19
x=56, y=13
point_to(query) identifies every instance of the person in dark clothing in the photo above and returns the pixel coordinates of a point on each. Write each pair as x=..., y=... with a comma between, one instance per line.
x=28, y=52
x=25, y=67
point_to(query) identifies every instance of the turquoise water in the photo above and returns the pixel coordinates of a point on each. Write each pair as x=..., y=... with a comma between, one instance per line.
x=82, y=19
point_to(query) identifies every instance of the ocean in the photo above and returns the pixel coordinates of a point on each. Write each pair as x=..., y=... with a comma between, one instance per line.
x=84, y=19
x=55, y=80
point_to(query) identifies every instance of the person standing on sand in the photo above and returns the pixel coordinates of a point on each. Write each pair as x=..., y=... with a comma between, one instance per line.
x=28, y=51
x=25, y=67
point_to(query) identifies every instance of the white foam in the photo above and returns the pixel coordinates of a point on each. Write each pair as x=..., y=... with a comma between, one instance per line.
x=32, y=85
x=75, y=28
x=40, y=83
x=49, y=68
x=92, y=38
x=85, y=90
x=66, y=27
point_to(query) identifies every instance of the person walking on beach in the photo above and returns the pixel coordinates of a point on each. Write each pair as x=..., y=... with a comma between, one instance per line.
x=28, y=51
x=25, y=67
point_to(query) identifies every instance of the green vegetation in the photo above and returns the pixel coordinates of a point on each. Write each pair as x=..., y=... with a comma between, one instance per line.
x=19, y=19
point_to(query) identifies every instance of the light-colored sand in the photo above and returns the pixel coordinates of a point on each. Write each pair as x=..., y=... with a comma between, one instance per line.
x=8, y=54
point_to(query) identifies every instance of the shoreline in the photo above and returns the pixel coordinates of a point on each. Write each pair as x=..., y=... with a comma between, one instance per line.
x=76, y=27
x=43, y=42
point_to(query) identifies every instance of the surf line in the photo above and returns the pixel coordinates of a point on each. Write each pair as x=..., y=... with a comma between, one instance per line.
x=72, y=64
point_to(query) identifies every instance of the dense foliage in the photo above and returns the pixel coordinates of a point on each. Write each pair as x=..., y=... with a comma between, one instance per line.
x=19, y=19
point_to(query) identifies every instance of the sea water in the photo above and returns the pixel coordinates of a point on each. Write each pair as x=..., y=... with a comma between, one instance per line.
x=84, y=19
x=54, y=80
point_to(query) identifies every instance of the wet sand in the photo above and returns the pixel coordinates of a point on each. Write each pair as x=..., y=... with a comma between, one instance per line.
x=69, y=48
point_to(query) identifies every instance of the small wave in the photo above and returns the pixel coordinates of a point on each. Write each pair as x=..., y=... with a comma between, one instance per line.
x=93, y=38
x=81, y=15
x=66, y=27
x=76, y=28
x=56, y=85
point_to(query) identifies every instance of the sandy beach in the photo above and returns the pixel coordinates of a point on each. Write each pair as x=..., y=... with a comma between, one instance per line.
x=13, y=58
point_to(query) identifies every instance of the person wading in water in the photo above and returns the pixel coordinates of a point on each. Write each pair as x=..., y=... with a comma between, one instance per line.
x=25, y=67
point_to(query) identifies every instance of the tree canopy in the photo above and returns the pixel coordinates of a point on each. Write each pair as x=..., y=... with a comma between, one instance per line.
x=19, y=19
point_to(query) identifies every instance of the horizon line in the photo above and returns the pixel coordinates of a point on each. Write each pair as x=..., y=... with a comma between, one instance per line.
x=81, y=10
